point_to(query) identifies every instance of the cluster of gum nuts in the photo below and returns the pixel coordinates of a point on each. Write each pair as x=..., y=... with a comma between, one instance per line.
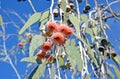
x=57, y=35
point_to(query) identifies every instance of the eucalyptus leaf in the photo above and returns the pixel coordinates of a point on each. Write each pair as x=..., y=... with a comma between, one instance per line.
x=38, y=72
x=61, y=61
x=42, y=23
x=117, y=72
x=76, y=22
x=110, y=73
x=73, y=54
x=1, y=21
x=36, y=42
x=88, y=76
x=44, y=15
x=95, y=31
x=33, y=59
x=85, y=19
x=117, y=59
x=34, y=18
x=63, y=5
x=33, y=72
x=53, y=72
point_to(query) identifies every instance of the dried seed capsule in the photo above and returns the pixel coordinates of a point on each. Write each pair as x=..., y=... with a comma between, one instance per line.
x=104, y=42
x=71, y=5
x=87, y=7
x=68, y=8
x=55, y=12
x=113, y=52
x=101, y=48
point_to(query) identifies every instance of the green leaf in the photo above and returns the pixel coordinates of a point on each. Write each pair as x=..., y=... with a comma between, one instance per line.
x=95, y=31
x=73, y=54
x=110, y=73
x=33, y=72
x=89, y=31
x=91, y=52
x=85, y=19
x=44, y=15
x=34, y=18
x=44, y=18
x=117, y=59
x=33, y=59
x=61, y=61
x=53, y=72
x=88, y=76
x=117, y=71
x=38, y=72
x=76, y=22
x=63, y=5
x=1, y=21
x=42, y=23
x=36, y=42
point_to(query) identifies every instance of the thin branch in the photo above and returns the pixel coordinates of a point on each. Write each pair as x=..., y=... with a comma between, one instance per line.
x=77, y=6
x=110, y=5
x=5, y=51
x=56, y=56
x=112, y=11
x=15, y=13
x=32, y=6
x=111, y=16
x=51, y=10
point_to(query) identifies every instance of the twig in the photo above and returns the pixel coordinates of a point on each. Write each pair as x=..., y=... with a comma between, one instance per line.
x=15, y=13
x=112, y=11
x=5, y=51
x=56, y=56
x=51, y=10
x=109, y=5
x=77, y=6
x=111, y=16
x=32, y=6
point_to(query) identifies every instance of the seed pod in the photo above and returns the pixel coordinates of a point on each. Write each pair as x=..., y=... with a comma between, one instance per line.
x=87, y=7
x=68, y=61
x=104, y=42
x=85, y=11
x=68, y=8
x=55, y=12
x=113, y=52
x=71, y=5
x=101, y=48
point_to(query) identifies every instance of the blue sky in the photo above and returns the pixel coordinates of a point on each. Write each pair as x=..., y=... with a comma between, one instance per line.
x=23, y=8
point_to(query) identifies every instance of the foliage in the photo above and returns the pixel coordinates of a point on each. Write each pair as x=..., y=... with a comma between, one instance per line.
x=64, y=43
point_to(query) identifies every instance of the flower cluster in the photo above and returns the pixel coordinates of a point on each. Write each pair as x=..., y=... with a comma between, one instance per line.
x=59, y=32
x=57, y=35
x=46, y=46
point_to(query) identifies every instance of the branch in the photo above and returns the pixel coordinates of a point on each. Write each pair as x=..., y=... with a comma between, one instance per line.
x=51, y=12
x=7, y=56
x=32, y=5
x=112, y=11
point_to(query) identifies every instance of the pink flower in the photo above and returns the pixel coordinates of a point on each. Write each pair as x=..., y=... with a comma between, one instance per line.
x=52, y=26
x=41, y=54
x=46, y=46
x=66, y=30
x=58, y=38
